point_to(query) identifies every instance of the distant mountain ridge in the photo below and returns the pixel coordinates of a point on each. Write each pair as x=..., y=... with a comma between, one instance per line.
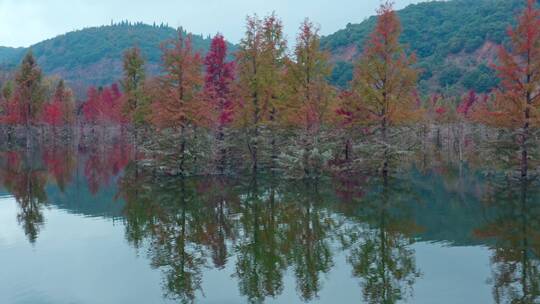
x=455, y=43
x=93, y=56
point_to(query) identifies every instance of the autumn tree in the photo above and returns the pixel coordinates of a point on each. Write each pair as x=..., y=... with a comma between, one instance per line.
x=517, y=100
x=133, y=85
x=179, y=97
x=180, y=85
x=52, y=114
x=60, y=111
x=309, y=96
x=384, y=81
x=219, y=92
x=29, y=93
x=260, y=61
x=104, y=105
x=91, y=109
x=114, y=105
x=10, y=111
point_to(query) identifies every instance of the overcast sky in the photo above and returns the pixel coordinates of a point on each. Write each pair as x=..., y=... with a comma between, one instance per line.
x=25, y=22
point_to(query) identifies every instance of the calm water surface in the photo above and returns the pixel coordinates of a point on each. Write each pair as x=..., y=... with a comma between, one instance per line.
x=93, y=227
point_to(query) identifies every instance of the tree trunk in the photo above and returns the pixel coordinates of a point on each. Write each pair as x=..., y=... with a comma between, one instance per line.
x=385, y=143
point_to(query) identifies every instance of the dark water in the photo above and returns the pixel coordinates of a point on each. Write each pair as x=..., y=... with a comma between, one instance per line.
x=91, y=226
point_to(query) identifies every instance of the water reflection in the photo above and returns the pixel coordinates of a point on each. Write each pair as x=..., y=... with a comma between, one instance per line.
x=266, y=230
x=513, y=225
x=167, y=218
x=24, y=176
x=311, y=230
x=381, y=255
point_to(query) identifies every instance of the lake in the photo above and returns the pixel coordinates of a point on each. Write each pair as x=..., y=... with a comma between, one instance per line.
x=92, y=226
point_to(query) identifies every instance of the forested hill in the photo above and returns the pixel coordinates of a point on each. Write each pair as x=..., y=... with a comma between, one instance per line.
x=93, y=56
x=455, y=42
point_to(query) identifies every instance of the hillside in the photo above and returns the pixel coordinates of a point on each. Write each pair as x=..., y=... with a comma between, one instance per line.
x=93, y=56
x=454, y=41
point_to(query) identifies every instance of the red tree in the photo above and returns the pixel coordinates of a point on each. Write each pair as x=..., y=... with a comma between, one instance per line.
x=52, y=114
x=467, y=103
x=104, y=106
x=61, y=109
x=517, y=100
x=92, y=107
x=218, y=83
x=11, y=112
x=218, y=92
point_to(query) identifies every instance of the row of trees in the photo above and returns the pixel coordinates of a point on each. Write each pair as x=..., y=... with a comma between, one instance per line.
x=30, y=99
x=266, y=99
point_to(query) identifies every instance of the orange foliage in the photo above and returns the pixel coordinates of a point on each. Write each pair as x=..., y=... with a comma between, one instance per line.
x=517, y=101
x=179, y=102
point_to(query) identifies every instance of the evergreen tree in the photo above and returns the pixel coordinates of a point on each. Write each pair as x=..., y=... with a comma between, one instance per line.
x=133, y=85
x=29, y=91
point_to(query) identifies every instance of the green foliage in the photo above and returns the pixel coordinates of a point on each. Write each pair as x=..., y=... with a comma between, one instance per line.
x=450, y=76
x=30, y=92
x=437, y=31
x=9, y=57
x=132, y=83
x=93, y=56
x=481, y=80
x=342, y=74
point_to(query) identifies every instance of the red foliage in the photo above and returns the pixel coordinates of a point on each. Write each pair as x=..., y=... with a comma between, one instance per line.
x=387, y=31
x=12, y=113
x=52, y=114
x=92, y=108
x=440, y=110
x=105, y=163
x=517, y=98
x=467, y=103
x=59, y=162
x=218, y=82
x=105, y=106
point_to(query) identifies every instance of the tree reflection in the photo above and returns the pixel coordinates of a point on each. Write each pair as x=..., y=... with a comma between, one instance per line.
x=310, y=232
x=513, y=223
x=189, y=222
x=165, y=212
x=218, y=229
x=27, y=174
x=380, y=250
x=269, y=226
x=25, y=179
x=60, y=162
x=261, y=249
x=103, y=161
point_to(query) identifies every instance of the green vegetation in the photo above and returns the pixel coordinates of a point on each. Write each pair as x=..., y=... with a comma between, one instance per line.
x=454, y=41
x=93, y=56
